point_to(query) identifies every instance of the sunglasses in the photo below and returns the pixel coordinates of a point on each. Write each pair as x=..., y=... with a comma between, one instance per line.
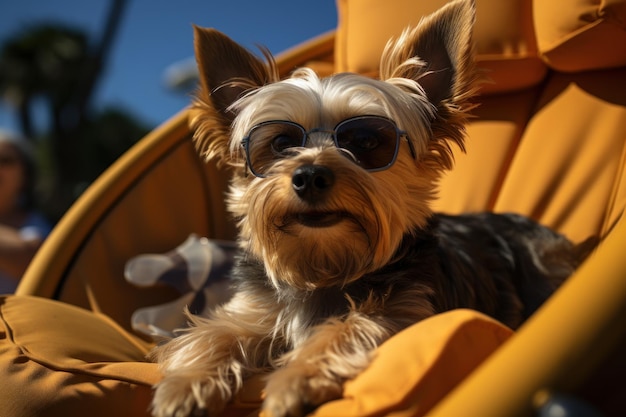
x=372, y=142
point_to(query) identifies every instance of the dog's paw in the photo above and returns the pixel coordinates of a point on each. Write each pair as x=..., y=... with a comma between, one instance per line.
x=295, y=391
x=179, y=396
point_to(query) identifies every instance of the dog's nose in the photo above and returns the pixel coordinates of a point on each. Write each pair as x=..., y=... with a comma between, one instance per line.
x=311, y=182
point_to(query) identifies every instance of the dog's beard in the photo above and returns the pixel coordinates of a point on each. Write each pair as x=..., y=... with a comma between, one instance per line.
x=356, y=229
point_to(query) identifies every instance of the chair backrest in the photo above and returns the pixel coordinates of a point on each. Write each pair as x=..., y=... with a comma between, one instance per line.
x=549, y=139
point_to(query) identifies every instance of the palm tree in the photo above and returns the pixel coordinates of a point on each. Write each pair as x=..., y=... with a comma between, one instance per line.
x=42, y=61
x=61, y=66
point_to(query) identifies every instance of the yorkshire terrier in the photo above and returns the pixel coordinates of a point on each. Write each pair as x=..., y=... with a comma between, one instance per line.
x=332, y=180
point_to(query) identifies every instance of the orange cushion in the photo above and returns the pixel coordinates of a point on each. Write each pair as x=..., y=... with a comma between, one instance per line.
x=60, y=360
x=492, y=138
x=415, y=369
x=57, y=359
x=504, y=38
x=569, y=170
x=579, y=35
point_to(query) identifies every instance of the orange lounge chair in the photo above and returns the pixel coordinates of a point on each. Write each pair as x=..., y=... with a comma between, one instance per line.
x=548, y=140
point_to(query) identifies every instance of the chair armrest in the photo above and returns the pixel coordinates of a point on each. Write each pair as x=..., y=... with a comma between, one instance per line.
x=559, y=347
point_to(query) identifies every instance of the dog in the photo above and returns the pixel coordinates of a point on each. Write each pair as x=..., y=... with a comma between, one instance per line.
x=339, y=249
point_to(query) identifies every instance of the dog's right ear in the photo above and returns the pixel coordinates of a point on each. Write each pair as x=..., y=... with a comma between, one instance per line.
x=227, y=71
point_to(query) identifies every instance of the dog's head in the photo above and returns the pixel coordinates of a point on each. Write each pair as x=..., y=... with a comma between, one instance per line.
x=331, y=173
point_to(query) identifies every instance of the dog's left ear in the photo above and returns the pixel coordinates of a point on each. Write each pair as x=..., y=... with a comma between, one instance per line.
x=437, y=53
x=227, y=71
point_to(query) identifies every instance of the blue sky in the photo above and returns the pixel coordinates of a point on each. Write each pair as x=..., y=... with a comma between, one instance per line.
x=155, y=34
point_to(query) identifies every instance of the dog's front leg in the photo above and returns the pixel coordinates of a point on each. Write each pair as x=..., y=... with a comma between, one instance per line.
x=204, y=366
x=314, y=372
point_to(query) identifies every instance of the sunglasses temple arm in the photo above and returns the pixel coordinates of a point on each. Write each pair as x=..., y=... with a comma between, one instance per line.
x=411, y=148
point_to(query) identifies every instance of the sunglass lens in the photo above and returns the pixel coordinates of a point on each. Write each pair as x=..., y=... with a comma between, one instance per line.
x=370, y=141
x=271, y=141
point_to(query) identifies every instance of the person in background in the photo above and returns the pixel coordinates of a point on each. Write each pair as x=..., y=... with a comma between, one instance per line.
x=22, y=227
